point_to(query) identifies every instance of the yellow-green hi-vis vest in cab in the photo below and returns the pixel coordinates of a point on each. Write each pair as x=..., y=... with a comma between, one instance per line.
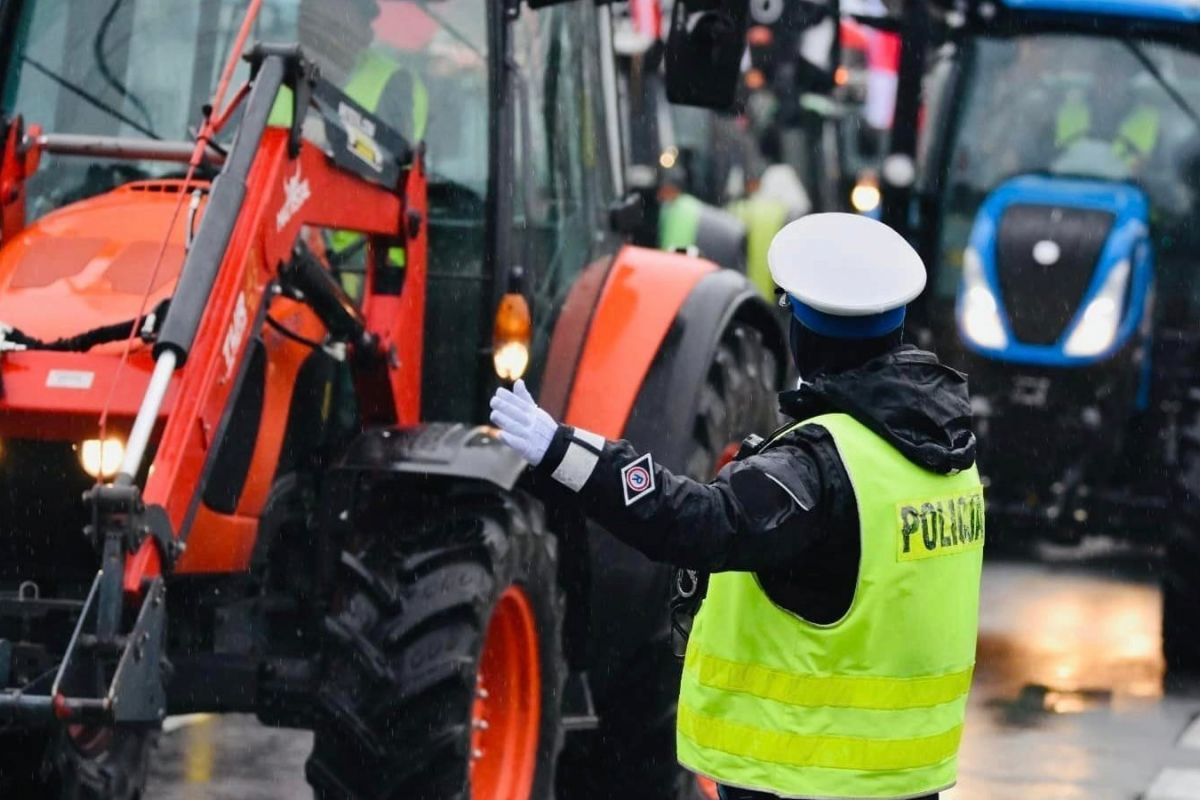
x=365, y=87
x=1135, y=139
x=871, y=706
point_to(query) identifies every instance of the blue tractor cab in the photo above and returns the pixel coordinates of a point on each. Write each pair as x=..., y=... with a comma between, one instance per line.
x=1057, y=205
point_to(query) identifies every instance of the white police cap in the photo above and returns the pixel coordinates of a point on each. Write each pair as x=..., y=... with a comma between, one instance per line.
x=845, y=265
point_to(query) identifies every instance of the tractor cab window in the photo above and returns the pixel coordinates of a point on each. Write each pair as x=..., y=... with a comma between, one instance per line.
x=422, y=68
x=562, y=169
x=144, y=68
x=129, y=68
x=430, y=63
x=934, y=91
x=1079, y=106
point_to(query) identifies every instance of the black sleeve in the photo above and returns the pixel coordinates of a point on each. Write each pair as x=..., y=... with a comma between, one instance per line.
x=758, y=512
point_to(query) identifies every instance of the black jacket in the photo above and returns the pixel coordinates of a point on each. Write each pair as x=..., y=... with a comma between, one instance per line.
x=787, y=513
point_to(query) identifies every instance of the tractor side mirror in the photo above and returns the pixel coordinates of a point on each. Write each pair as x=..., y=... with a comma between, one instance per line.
x=795, y=45
x=628, y=214
x=704, y=52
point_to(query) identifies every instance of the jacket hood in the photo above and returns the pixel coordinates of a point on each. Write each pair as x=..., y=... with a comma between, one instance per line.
x=916, y=403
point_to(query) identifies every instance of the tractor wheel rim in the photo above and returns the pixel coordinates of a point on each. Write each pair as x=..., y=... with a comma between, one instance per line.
x=506, y=715
x=707, y=788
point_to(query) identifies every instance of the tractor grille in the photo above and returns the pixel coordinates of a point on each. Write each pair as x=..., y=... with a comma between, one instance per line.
x=1041, y=299
x=42, y=515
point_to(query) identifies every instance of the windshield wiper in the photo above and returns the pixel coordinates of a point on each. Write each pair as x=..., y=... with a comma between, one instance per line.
x=89, y=97
x=102, y=63
x=1162, y=81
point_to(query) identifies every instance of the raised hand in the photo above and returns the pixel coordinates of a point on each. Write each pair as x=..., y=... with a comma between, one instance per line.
x=523, y=426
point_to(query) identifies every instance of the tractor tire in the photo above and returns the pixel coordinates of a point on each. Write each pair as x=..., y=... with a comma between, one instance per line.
x=444, y=669
x=55, y=767
x=631, y=756
x=1181, y=566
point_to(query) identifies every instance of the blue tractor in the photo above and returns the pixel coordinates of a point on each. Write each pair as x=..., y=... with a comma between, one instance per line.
x=1056, y=200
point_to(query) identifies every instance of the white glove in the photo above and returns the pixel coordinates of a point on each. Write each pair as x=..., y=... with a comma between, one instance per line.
x=523, y=426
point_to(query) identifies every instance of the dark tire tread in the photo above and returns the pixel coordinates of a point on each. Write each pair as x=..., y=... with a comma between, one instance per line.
x=36, y=764
x=405, y=637
x=1181, y=566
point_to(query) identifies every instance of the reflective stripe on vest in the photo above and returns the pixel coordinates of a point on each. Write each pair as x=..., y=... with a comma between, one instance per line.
x=871, y=706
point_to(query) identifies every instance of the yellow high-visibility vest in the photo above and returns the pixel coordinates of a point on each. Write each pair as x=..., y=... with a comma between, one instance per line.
x=365, y=87
x=763, y=219
x=1136, y=136
x=871, y=706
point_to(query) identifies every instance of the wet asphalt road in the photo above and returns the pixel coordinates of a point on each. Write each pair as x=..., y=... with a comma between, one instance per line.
x=1069, y=702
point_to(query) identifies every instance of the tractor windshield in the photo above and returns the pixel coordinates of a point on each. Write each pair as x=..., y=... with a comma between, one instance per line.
x=144, y=69
x=127, y=68
x=1074, y=105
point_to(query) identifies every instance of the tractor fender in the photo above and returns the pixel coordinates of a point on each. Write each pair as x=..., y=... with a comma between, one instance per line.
x=632, y=314
x=669, y=398
x=440, y=449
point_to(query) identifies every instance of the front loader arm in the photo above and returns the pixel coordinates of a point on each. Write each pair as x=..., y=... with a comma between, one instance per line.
x=247, y=239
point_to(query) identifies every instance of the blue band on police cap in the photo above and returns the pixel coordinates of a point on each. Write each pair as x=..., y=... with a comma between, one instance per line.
x=865, y=327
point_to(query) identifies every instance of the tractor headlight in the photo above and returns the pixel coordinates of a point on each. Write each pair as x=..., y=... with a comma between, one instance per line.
x=865, y=196
x=101, y=459
x=1096, y=329
x=978, y=312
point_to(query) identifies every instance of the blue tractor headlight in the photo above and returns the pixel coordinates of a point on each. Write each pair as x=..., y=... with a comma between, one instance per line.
x=1095, y=329
x=978, y=311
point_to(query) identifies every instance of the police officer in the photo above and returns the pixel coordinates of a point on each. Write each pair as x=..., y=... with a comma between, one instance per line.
x=833, y=653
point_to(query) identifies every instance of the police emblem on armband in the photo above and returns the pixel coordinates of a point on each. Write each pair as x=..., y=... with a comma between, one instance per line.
x=637, y=479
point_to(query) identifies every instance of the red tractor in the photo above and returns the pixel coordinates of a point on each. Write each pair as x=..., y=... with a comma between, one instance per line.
x=248, y=337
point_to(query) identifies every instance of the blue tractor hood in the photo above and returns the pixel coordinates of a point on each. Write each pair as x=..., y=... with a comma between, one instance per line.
x=1058, y=271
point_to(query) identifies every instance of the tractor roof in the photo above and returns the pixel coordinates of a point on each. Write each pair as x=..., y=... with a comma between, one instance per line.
x=1183, y=11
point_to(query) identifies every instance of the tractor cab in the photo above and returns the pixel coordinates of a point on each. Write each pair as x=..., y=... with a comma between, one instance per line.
x=1061, y=175
x=1053, y=193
